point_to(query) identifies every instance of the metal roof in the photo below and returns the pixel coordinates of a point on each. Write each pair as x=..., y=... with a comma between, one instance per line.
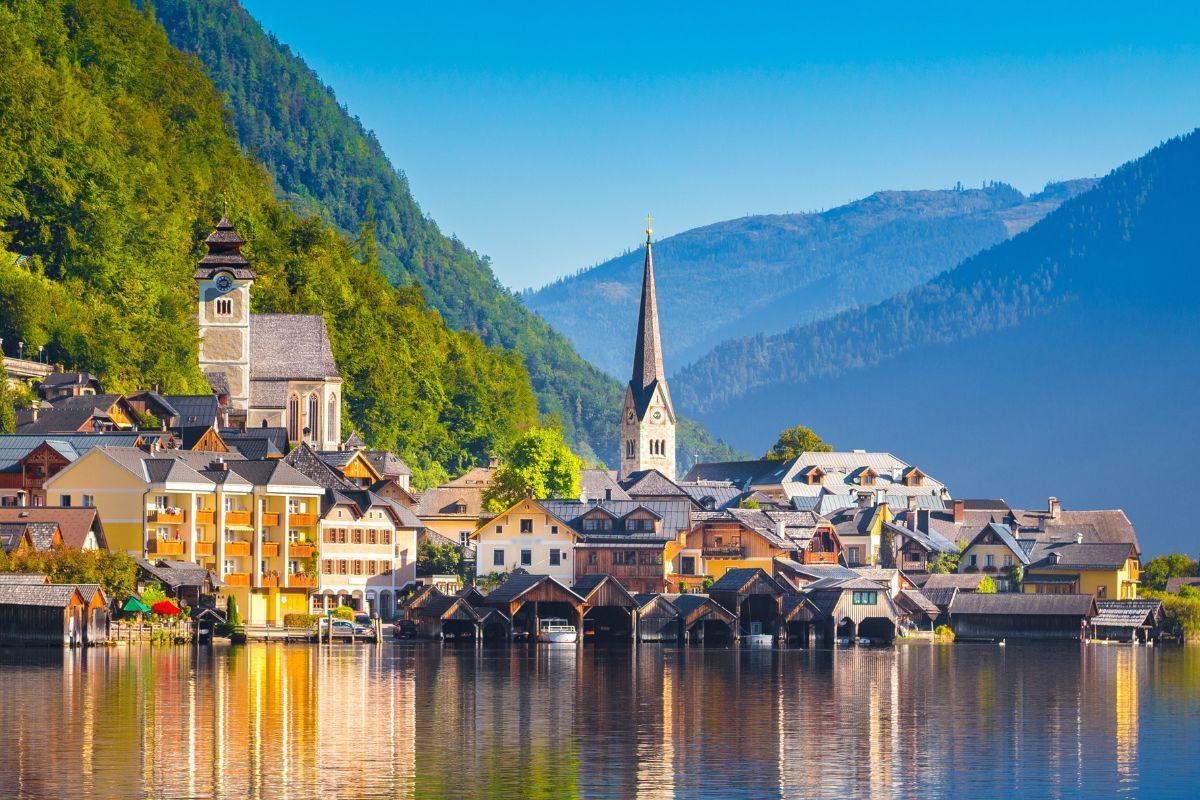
x=1017, y=604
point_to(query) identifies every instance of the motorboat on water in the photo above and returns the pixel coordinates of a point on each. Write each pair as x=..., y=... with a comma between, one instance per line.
x=760, y=640
x=557, y=631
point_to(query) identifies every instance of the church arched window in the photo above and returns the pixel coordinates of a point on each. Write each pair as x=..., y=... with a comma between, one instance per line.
x=331, y=419
x=293, y=421
x=314, y=416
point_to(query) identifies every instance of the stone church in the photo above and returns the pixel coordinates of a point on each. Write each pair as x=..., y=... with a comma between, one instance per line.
x=277, y=369
x=648, y=417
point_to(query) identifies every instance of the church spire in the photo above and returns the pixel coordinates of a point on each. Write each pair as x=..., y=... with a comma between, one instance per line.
x=647, y=353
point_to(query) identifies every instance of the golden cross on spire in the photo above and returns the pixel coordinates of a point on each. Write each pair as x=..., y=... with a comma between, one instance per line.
x=648, y=230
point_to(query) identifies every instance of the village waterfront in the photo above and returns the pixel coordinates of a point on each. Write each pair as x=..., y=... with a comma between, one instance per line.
x=433, y=720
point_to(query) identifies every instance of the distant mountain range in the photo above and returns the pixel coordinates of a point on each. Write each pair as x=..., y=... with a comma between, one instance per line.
x=1064, y=361
x=765, y=274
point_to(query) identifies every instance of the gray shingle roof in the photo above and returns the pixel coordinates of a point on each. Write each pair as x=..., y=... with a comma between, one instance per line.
x=22, y=577
x=1128, y=613
x=518, y=584
x=1095, y=555
x=1016, y=604
x=650, y=483
x=940, y=596
x=673, y=513
x=71, y=414
x=734, y=580
x=174, y=574
x=290, y=347
x=712, y=495
x=599, y=484
x=195, y=410
x=28, y=594
x=968, y=581
x=1175, y=584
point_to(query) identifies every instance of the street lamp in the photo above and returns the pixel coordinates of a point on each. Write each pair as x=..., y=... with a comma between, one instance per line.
x=20, y=349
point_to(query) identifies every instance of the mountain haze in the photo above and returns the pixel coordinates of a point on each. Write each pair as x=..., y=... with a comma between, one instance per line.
x=764, y=274
x=1064, y=361
x=325, y=162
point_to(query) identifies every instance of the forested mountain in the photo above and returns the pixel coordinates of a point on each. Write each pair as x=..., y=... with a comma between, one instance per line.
x=115, y=162
x=324, y=161
x=765, y=274
x=1063, y=361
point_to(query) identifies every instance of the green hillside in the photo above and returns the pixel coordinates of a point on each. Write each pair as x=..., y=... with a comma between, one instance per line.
x=116, y=159
x=323, y=160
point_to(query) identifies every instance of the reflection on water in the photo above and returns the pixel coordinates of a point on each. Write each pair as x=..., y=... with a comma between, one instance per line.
x=426, y=720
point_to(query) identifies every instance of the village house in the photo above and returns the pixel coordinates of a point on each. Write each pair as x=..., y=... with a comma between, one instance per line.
x=58, y=385
x=79, y=414
x=78, y=527
x=52, y=614
x=994, y=551
x=743, y=538
x=528, y=536
x=860, y=530
x=27, y=461
x=1107, y=570
x=452, y=511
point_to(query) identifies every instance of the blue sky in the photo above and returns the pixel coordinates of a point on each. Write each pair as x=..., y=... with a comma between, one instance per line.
x=541, y=134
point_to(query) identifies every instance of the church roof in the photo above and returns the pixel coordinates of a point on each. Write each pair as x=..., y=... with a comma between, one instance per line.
x=648, y=372
x=290, y=347
x=224, y=254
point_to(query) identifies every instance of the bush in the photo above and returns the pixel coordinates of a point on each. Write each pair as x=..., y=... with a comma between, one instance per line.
x=1181, y=615
x=986, y=585
x=944, y=632
x=300, y=620
x=344, y=612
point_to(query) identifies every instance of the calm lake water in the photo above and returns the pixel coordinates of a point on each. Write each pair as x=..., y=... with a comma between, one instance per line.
x=426, y=720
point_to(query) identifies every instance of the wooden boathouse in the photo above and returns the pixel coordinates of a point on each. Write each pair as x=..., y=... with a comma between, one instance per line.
x=1013, y=615
x=657, y=619
x=43, y=614
x=527, y=599
x=754, y=598
x=702, y=618
x=611, y=611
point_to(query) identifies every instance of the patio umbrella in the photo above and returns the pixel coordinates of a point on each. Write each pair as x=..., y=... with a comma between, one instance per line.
x=134, y=604
x=165, y=607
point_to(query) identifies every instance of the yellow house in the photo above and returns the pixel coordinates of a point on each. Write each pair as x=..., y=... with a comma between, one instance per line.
x=860, y=530
x=528, y=536
x=996, y=552
x=1106, y=570
x=253, y=523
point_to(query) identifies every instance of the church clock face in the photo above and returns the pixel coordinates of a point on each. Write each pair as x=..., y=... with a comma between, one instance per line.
x=630, y=416
x=657, y=416
x=224, y=283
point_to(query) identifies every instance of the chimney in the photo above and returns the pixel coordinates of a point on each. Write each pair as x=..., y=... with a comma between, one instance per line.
x=864, y=499
x=1055, y=508
x=219, y=465
x=912, y=504
x=493, y=462
x=779, y=529
x=958, y=506
x=880, y=497
x=1078, y=538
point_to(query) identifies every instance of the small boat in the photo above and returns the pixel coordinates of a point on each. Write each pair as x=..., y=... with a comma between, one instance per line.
x=845, y=641
x=557, y=630
x=760, y=640
x=864, y=641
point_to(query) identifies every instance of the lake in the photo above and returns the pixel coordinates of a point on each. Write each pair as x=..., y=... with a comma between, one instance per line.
x=428, y=720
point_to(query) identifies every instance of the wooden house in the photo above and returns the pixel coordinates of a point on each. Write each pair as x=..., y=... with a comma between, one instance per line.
x=611, y=610
x=701, y=618
x=854, y=608
x=1128, y=620
x=1022, y=616
x=658, y=619
x=42, y=614
x=754, y=597
x=527, y=599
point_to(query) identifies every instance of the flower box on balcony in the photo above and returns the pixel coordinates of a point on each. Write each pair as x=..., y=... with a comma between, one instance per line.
x=301, y=580
x=237, y=548
x=269, y=579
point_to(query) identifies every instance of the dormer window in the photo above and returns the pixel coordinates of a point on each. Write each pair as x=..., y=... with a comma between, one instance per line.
x=224, y=307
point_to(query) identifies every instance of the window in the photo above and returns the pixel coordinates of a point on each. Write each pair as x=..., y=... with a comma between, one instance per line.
x=293, y=425
x=294, y=536
x=1008, y=562
x=498, y=558
x=358, y=567
x=314, y=417
x=526, y=557
x=989, y=560
x=853, y=555
x=865, y=598
x=687, y=565
x=331, y=420
x=162, y=502
x=526, y=526
x=342, y=567
x=371, y=567
x=591, y=556
x=64, y=500
x=230, y=565
x=974, y=560
x=358, y=536
x=650, y=558
x=553, y=529
x=294, y=568
x=341, y=535
x=385, y=537
x=499, y=529
x=224, y=307
x=629, y=448
x=554, y=558
x=372, y=536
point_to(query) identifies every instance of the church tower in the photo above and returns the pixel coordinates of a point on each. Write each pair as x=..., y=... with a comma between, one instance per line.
x=648, y=418
x=224, y=278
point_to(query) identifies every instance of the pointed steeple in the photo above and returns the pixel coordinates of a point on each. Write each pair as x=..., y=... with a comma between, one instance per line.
x=647, y=352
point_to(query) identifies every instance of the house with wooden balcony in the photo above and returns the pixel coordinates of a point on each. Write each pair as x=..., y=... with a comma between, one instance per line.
x=743, y=538
x=254, y=524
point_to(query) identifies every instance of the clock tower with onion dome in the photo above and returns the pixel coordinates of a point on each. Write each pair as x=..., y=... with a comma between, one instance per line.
x=224, y=278
x=648, y=417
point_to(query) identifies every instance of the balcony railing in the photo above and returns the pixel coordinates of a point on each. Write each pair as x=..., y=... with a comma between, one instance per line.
x=205, y=548
x=268, y=579
x=301, y=550
x=722, y=551
x=206, y=517
x=237, y=517
x=302, y=580
x=172, y=516
x=302, y=520
x=270, y=518
x=167, y=547
x=236, y=547
x=819, y=558
x=237, y=578
x=270, y=549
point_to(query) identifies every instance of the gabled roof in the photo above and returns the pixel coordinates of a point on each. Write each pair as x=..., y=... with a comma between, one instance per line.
x=741, y=578
x=587, y=585
x=175, y=574
x=23, y=577
x=441, y=501
x=521, y=582
x=673, y=515
x=651, y=483
x=290, y=347
x=252, y=447
x=59, y=380
x=964, y=581
x=72, y=414
x=1002, y=534
x=194, y=410
x=688, y=604
x=1102, y=525
x=799, y=608
x=940, y=596
x=308, y=461
x=387, y=463
x=917, y=601
x=1094, y=555
x=711, y=495
x=1175, y=584
x=363, y=500
x=272, y=472
x=1018, y=604
x=73, y=523
x=600, y=484
x=15, y=446
x=28, y=594
x=932, y=541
